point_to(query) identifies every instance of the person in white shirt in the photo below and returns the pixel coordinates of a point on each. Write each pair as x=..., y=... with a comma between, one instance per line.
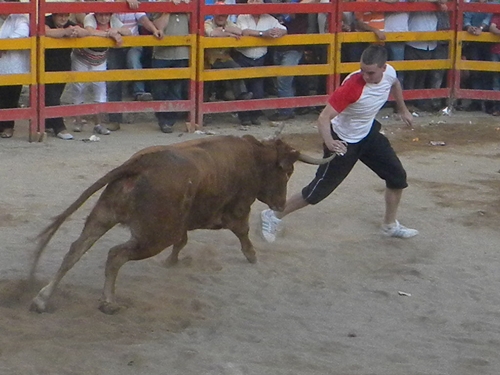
x=129, y=58
x=12, y=62
x=260, y=26
x=349, y=129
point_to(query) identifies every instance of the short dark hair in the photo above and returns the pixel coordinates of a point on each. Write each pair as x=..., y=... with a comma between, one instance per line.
x=374, y=54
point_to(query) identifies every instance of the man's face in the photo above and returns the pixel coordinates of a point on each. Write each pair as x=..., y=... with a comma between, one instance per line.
x=60, y=19
x=103, y=18
x=220, y=19
x=255, y=1
x=372, y=73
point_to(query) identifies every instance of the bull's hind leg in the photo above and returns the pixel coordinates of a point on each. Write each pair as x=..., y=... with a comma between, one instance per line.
x=173, y=258
x=94, y=229
x=117, y=257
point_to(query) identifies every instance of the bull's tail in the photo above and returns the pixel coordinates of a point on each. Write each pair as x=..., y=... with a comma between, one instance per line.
x=46, y=235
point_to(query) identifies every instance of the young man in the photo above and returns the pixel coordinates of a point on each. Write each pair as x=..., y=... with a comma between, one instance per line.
x=348, y=127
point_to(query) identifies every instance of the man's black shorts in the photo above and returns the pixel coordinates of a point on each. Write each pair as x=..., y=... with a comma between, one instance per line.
x=375, y=151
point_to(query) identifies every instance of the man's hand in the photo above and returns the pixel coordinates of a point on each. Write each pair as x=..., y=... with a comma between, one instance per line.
x=380, y=35
x=158, y=34
x=407, y=117
x=336, y=146
x=133, y=4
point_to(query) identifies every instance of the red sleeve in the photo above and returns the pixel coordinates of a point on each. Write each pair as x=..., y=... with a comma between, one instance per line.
x=348, y=93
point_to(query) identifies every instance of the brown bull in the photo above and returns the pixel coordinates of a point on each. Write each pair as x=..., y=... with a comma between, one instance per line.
x=163, y=192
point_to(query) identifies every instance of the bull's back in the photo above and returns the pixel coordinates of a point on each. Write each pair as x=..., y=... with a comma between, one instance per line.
x=189, y=185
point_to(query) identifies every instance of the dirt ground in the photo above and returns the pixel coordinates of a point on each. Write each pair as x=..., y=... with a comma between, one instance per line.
x=324, y=299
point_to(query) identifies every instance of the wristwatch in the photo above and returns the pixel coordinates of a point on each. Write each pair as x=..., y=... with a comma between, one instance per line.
x=261, y=33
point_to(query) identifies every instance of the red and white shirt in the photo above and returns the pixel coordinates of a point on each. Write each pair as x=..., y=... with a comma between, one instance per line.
x=358, y=102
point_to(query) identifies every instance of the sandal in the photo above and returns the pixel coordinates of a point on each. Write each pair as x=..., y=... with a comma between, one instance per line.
x=7, y=133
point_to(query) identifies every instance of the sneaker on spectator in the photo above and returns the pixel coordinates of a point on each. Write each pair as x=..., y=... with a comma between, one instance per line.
x=99, y=129
x=113, y=126
x=143, y=97
x=270, y=225
x=245, y=96
x=397, y=230
x=64, y=135
x=78, y=127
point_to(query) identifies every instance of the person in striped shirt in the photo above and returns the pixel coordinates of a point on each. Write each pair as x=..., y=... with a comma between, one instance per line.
x=104, y=25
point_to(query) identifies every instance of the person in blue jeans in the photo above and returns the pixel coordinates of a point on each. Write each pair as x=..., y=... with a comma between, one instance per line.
x=289, y=56
x=174, y=24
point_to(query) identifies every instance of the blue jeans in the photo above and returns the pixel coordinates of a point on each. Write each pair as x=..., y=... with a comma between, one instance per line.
x=123, y=58
x=396, y=52
x=496, y=76
x=285, y=83
x=172, y=89
x=254, y=85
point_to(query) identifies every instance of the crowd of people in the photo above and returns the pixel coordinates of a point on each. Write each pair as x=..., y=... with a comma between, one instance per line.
x=160, y=25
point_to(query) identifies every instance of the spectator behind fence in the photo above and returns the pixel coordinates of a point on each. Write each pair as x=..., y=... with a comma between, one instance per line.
x=58, y=25
x=396, y=22
x=128, y=58
x=495, y=56
x=366, y=21
x=425, y=50
x=289, y=56
x=172, y=24
x=12, y=62
x=104, y=25
x=220, y=58
x=475, y=23
x=261, y=26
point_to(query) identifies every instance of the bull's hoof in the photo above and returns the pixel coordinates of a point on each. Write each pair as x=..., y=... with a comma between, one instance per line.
x=38, y=305
x=170, y=262
x=109, y=308
x=252, y=258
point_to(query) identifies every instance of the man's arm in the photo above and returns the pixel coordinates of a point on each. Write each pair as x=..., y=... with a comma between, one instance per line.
x=148, y=25
x=162, y=21
x=324, y=129
x=397, y=93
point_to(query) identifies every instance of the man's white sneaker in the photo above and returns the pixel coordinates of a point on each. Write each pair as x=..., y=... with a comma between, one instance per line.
x=398, y=230
x=270, y=225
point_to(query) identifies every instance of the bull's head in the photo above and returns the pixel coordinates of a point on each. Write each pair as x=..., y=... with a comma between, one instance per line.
x=277, y=163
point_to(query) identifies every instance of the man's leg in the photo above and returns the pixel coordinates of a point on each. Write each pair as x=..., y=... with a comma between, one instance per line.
x=391, y=227
x=116, y=60
x=392, y=199
x=134, y=62
x=285, y=83
x=271, y=220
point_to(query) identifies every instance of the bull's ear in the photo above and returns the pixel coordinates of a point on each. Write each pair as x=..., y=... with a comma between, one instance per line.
x=288, y=158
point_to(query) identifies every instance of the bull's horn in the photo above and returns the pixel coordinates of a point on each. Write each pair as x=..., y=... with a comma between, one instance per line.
x=310, y=160
x=277, y=133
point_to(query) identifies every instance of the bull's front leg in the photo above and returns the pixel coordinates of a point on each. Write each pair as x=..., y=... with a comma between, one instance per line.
x=173, y=258
x=241, y=228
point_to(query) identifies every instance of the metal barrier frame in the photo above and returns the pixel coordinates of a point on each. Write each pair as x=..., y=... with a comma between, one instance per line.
x=117, y=75
x=198, y=75
x=205, y=75
x=485, y=66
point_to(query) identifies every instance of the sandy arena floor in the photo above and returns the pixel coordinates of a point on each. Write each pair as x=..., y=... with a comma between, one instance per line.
x=324, y=299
